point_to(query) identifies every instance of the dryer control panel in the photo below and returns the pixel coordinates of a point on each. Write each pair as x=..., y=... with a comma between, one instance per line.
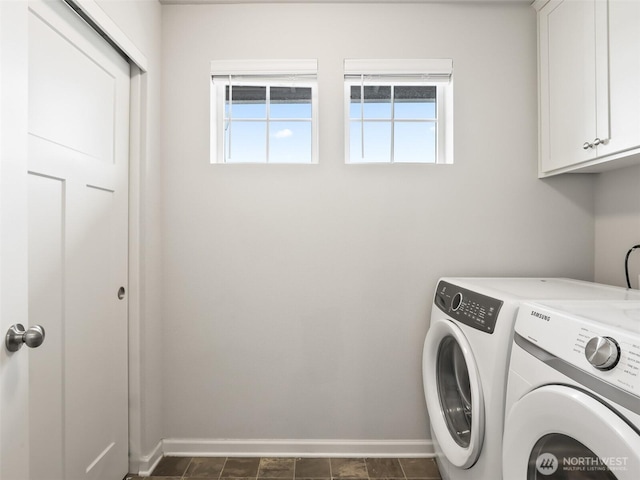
x=588, y=341
x=468, y=307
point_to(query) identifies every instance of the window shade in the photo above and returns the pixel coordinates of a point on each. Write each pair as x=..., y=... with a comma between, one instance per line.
x=399, y=70
x=266, y=68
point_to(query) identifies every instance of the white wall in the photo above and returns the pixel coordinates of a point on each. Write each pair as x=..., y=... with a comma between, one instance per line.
x=617, y=225
x=297, y=298
x=140, y=20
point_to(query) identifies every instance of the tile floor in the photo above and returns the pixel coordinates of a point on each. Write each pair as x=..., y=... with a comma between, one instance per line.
x=281, y=468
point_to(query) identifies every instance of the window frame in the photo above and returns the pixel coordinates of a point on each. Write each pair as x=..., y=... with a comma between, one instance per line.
x=267, y=73
x=394, y=73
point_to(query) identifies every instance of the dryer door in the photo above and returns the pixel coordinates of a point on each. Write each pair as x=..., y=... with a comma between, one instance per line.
x=559, y=432
x=453, y=393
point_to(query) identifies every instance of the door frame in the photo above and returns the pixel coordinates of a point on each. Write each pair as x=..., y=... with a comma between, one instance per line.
x=14, y=368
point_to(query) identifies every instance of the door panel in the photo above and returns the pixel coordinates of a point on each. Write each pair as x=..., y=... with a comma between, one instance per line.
x=72, y=79
x=95, y=344
x=46, y=257
x=78, y=208
x=572, y=78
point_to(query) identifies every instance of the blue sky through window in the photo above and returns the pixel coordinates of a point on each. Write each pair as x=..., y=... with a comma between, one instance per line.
x=274, y=124
x=268, y=124
x=406, y=113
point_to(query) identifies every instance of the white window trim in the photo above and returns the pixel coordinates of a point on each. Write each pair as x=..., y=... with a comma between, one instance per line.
x=301, y=73
x=427, y=72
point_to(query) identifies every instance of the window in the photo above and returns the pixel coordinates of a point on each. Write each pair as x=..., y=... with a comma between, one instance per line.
x=398, y=111
x=264, y=111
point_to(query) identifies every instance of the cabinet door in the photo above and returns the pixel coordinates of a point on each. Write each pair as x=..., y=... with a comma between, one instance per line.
x=567, y=40
x=624, y=78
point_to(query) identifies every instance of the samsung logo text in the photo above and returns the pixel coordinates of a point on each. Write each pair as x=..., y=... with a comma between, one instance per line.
x=541, y=316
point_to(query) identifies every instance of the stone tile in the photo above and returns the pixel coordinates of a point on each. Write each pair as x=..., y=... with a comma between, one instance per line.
x=205, y=467
x=353, y=468
x=388, y=478
x=152, y=478
x=135, y=477
x=384, y=468
x=307, y=478
x=313, y=468
x=241, y=467
x=276, y=467
x=171, y=467
x=419, y=468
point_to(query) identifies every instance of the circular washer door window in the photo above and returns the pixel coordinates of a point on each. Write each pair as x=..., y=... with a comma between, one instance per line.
x=560, y=432
x=453, y=393
x=560, y=457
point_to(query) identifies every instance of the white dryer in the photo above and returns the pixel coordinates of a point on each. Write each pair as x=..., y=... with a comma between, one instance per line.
x=465, y=364
x=573, y=401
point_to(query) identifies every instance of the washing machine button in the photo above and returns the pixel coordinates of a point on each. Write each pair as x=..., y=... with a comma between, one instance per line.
x=456, y=302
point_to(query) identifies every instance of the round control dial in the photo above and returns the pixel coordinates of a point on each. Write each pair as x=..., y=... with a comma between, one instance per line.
x=602, y=352
x=456, y=301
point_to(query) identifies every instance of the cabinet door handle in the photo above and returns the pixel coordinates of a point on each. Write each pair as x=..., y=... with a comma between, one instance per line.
x=587, y=145
x=599, y=141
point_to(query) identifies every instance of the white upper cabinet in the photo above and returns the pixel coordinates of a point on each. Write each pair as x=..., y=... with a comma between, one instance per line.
x=589, y=84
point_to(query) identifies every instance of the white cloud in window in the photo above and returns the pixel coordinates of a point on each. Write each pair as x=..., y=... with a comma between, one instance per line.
x=284, y=133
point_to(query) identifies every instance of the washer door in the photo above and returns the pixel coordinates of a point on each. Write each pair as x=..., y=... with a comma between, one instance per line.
x=453, y=392
x=558, y=432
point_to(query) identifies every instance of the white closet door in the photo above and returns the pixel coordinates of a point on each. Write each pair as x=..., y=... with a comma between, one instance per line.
x=78, y=209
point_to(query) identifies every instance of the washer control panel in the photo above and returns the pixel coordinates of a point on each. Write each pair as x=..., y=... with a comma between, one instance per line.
x=468, y=307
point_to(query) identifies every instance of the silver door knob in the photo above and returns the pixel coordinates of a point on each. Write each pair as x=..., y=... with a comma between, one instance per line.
x=587, y=145
x=17, y=335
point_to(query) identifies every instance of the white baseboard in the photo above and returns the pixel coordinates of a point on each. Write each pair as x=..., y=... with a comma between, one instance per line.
x=187, y=447
x=150, y=461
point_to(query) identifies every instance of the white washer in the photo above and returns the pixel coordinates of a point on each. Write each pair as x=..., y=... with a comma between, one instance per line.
x=465, y=364
x=573, y=395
